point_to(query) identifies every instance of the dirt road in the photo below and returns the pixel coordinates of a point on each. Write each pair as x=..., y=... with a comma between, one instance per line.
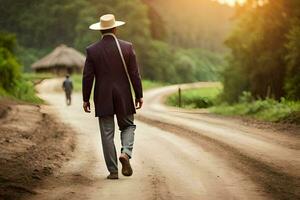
x=177, y=155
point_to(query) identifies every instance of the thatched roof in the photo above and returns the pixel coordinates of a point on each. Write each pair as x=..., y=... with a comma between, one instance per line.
x=61, y=56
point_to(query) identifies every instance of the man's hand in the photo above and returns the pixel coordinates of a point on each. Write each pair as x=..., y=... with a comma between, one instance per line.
x=139, y=103
x=87, y=107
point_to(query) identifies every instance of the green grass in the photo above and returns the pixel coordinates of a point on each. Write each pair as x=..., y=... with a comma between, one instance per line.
x=265, y=110
x=77, y=82
x=35, y=77
x=195, y=98
x=3, y=93
x=23, y=90
x=148, y=84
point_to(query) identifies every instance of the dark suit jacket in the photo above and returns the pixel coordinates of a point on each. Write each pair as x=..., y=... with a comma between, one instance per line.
x=112, y=93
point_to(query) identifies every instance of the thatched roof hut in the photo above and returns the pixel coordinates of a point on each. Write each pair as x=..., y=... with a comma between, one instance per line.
x=61, y=60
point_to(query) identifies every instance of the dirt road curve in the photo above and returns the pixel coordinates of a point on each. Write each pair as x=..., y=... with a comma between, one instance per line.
x=177, y=155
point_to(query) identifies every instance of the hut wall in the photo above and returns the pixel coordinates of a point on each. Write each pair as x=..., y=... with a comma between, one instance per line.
x=59, y=70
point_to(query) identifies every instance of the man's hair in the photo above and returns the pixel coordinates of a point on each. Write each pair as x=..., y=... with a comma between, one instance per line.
x=107, y=30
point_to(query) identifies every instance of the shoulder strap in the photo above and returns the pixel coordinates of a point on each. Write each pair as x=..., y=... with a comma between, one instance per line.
x=122, y=56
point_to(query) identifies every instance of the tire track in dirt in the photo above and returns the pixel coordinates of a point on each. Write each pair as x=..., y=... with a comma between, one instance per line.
x=275, y=183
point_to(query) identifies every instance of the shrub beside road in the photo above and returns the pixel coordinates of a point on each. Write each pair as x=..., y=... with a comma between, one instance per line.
x=266, y=110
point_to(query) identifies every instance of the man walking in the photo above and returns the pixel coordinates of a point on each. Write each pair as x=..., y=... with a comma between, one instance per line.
x=112, y=63
x=68, y=88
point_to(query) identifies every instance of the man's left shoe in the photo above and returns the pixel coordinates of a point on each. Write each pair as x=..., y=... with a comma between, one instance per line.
x=126, y=167
x=113, y=176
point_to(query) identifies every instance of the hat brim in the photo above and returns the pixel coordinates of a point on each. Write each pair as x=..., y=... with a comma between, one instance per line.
x=97, y=26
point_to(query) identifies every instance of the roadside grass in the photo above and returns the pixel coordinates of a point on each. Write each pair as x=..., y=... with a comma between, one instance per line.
x=195, y=98
x=77, y=82
x=36, y=78
x=23, y=90
x=264, y=110
x=149, y=84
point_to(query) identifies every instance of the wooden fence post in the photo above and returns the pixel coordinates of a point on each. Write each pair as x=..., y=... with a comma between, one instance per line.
x=179, y=97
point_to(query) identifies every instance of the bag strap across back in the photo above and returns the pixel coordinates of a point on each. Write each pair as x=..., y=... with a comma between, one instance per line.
x=122, y=56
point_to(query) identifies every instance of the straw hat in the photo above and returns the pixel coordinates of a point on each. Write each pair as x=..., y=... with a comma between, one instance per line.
x=107, y=21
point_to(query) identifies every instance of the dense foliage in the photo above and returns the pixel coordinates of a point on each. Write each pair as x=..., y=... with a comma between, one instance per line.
x=265, y=56
x=266, y=110
x=9, y=67
x=292, y=79
x=12, y=83
x=41, y=25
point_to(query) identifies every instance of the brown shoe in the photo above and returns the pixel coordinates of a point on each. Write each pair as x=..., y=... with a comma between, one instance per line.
x=126, y=167
x=113, y=176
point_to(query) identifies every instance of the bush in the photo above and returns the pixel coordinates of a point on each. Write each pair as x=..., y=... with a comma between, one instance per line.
x=9, y=67
x=12, y=84
x=24, y=91
x=267, y=110
x=246, y=97
x=9, y=70
x=293, y=118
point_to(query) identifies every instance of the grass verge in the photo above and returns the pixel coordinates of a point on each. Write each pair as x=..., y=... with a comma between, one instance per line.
x=195, y=98
x=148, y=84
x=23, y=90
x=36, y=78
x=264, y=110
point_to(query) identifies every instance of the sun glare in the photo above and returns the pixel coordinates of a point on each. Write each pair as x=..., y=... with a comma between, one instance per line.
x=231, y=2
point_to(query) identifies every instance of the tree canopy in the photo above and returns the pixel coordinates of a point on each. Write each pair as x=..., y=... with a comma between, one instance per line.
x=264, y=55
x=41, y=25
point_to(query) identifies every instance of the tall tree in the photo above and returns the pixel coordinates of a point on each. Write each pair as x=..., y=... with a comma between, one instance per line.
x=258, y=49
x=41, y=23
x=292, y=84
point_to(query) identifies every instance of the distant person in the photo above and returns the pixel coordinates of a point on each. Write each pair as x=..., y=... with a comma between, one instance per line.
x=112, y=63
x=68, y=88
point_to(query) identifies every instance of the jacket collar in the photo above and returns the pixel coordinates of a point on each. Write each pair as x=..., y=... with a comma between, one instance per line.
x=111, y=34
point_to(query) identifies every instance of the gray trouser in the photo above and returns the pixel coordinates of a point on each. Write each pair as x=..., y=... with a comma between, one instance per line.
x=107, y=129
